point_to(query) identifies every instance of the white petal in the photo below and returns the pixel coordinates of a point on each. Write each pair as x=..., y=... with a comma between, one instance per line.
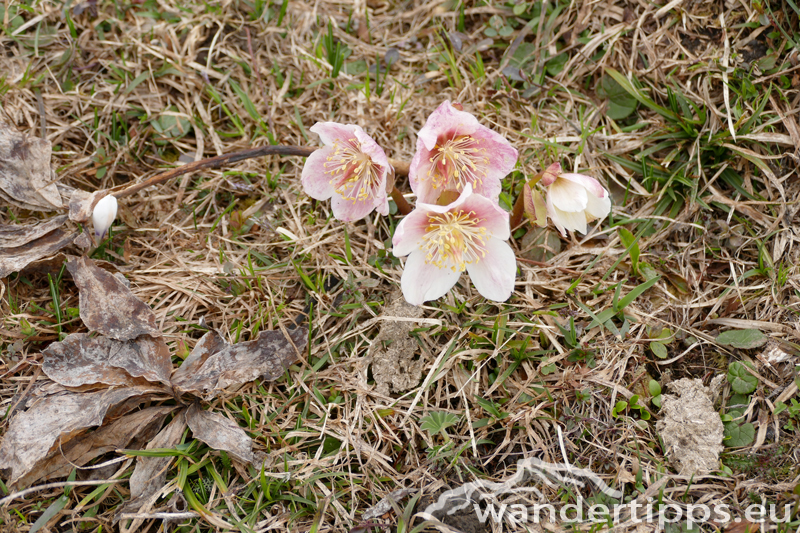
x=598, y=207
x=422, y=281
x=571, y=220
x=409, y=233
x=494, y=275
x=568, y=196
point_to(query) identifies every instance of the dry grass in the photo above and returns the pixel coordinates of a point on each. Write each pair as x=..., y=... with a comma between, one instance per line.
x=103, y=85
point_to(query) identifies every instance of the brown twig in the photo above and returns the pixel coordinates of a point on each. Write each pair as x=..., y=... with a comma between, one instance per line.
x=400, y=168
x=402, y=204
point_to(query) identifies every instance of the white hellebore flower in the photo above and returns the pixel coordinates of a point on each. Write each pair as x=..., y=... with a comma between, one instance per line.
x=103, y=215
x=573, y=200
x=441, y=242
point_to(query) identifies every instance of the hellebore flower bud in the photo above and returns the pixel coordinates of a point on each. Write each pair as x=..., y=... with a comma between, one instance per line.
x=103, y=215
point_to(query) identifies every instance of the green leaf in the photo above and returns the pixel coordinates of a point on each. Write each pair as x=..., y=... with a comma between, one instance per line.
x=738, y=399
x=739, y=435
x=629, y=242
x=618, y=408
x=557, y=64
x=654, y=387
x=438, y=421
x=635, y=293
x=744, y=339
x=524, y=53
x=647, y=271
x=740, y=379
x=640, y=96
x=657, y=401
x=659, y=349
x=620, y=103
x=49, y=513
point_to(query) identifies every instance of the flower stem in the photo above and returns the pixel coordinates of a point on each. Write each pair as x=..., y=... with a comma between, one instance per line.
x=403, y=207
x=518, y=211
x=400, y=167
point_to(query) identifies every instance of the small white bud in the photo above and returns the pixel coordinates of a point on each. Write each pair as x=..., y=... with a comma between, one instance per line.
x=104, y=214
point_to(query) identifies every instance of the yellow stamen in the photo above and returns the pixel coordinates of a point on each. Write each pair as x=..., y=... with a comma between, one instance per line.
x=454, y=240
x=456, y=162
x=353, y=173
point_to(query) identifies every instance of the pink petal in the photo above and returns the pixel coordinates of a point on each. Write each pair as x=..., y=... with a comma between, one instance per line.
x=446, y=120
x=330, y=132
x=550, y=174
x=502, y=157
x=372, y=149
x=415, y=168
x=494, y=275
x=494, y=218
x=349, y=211
x=382, y=205
x=426, y=194
x=409, y=233
x=567, y=195
x=315, y=182
x=422, y=282
x=587, y=182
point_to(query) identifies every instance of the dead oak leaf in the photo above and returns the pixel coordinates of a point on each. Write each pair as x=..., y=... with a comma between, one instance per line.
x=108, y=306
x=15, y=235
x=17, y=258
x=138, y=426
x=26, y=177
x=220, y=433
x=81, y=204
x=215, y=365
x=80, y=359
x=55, y=419
x=150, y=473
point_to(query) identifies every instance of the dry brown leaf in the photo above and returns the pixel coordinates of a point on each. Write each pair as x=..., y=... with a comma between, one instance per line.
x=150, y=473
x=140, y=426
x=26, y=178
x=214, y=365
x=15, y=259
x=15, y=235
x=55, y=420
x=81, y=204
x=220, y=433
x=80, y=359
x=108, y=306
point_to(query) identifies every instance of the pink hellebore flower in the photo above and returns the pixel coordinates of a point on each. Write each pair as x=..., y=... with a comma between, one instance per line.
x=351, y=168
x=453, y=150
x=443, y=241
x=573, y=200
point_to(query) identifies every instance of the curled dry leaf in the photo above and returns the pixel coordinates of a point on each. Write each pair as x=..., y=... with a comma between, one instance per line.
x=220, y=433
x=81, y=204
x=108, y=306
x=56, y=419
x=140, y=426
x=15, y=259
x=26, y=178
x=14, y=235
x=80, y=359
x=150, y=473
x=214, y=365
